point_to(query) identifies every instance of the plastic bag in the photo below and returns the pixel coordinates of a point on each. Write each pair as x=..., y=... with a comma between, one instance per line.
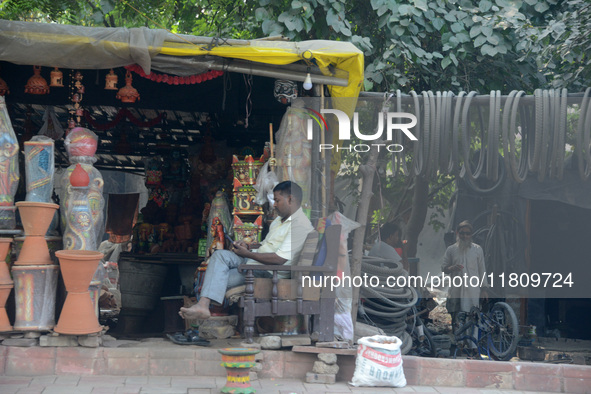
x=343, y=323
x=379, y=362
x=266, y=181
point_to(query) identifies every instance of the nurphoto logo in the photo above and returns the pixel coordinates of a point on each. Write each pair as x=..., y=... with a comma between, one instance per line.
x=392, y=120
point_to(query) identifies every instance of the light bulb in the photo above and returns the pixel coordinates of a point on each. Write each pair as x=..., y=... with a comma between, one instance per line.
x=308, y=82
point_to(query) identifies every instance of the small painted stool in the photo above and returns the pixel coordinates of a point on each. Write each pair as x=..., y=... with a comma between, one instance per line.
x=238, y=361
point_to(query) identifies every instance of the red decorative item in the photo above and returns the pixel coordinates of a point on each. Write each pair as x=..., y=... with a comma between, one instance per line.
x=37, y=84
x=57, y=78
x=79, y=177
x=4, y=90
x=128, y=94
x=175, y=80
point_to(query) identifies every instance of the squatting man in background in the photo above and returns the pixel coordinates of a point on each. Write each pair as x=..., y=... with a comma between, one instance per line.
x=282, y=245
x=390, y=245
x=464, y=257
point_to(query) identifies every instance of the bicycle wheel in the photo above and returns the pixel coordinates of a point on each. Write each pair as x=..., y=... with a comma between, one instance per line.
x=505, y=331
x=424, y=347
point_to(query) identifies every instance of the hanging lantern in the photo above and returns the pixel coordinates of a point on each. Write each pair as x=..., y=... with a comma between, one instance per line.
x=3, y=88
x=37, y=84
x=56, y=78
x=111, y=80
x=128, y=94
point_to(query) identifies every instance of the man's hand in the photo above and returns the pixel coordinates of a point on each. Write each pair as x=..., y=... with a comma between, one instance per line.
x=240, y=248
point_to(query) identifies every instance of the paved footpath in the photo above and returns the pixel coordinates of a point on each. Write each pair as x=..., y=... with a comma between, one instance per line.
x=73, y=384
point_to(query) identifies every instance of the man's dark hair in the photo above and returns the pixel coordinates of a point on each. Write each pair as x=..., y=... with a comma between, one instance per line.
x=388, y=229
x=289, y=188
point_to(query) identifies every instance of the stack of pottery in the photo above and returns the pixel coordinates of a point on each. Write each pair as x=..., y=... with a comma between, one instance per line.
x=35, y=275
x=6, y=284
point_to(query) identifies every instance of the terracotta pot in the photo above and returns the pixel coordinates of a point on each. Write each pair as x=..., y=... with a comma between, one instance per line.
x=4, y=293
x=5, y=278
x=34, y=252
x=36, y=216
x=78, y=313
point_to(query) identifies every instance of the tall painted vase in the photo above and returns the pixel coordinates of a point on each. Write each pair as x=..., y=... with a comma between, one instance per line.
x=79, y=232
x=39, y=168
x=9, y=170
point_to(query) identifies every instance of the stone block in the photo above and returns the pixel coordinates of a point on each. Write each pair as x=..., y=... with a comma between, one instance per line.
x=271, y=342
x=171, y=367
x=253, y=376
x=322, y=378
x=258, y=367
x=328, y=358
x=295, y=340
x=90, y=341
x=58, y=341
x=20, y=342
x=323, y=368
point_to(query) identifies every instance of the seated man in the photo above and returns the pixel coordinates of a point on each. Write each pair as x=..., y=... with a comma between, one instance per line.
x=389, y=247
x=282, y=245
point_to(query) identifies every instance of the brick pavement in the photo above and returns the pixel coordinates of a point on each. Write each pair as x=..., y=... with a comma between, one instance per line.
x=109, y=384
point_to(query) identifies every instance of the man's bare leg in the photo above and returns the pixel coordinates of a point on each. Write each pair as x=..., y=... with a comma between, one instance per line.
x=198, y=311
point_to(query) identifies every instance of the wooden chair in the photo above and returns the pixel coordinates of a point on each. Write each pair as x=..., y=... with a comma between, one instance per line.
x=287, y=297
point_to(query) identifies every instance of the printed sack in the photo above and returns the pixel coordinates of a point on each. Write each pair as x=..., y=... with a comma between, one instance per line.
x=379, y=362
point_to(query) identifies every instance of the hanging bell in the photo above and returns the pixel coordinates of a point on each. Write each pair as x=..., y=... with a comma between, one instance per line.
x=37, y=84
x=111, y=80
x=56, y=78
x=128, y=94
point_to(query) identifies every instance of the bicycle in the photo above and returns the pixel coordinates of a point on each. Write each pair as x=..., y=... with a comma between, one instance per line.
x=497, y=333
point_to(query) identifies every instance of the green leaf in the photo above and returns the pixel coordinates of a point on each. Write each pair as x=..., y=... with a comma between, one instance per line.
x=479, y=41
x=450, y=17
x=487, y=31
x=484, y=5
x=502, y=49
x=521, y=45
x=261, y=14
x=453, y=59
x=405, y=22
x=494, y=40
x=445, y=62
x=296, y=4
x=421, y=4
x=437, y=55
x=457, y=27
x=542, y=7
x=413, y=29
x=438, y=23
x=462, y=37
x=488, y=50
x=474, y=31
x=531, y=2
x=264, y=2
x=404, y=9
x=399, y=31
x=346, y=31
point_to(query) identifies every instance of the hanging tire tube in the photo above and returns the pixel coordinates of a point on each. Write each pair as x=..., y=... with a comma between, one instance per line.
x=475, y=187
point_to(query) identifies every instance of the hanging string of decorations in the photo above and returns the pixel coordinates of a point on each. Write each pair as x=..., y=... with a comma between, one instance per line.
x=123, y=113
x=175, y=79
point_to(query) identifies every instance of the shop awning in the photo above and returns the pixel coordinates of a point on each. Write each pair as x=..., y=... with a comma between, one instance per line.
x=336, y=64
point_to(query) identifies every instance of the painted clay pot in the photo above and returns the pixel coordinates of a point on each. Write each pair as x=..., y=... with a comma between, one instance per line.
x=35, y=288
x=39, y=168
x=36, y=218
x=5, y=278
x=78, y=313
